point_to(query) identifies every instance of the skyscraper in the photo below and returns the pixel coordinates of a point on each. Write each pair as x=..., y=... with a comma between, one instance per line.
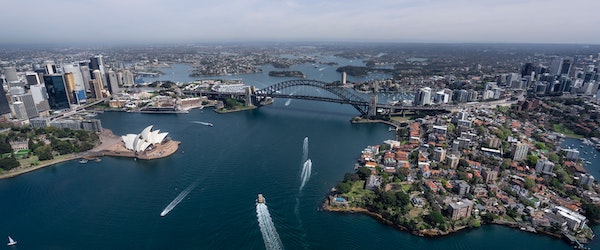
x=113, y=84
x=565, y=68
x=10, y=73
x=20, y=111
x=97, y=86
x=77, y=93
x=70, y=86
x=57, y=92
x=127, y=78
x=40, y=97
x=32, y=78
x=4, y=106
x=28, y=103
x=423, y=96
x=50, y=67
x=96, y=62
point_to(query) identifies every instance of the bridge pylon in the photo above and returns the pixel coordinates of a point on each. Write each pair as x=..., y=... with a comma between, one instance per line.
x=372, y=110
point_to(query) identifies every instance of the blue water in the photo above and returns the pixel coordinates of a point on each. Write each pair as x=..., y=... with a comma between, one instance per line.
x=116, y=203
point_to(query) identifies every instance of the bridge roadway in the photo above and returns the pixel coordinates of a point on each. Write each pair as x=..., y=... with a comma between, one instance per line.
x=342, y=96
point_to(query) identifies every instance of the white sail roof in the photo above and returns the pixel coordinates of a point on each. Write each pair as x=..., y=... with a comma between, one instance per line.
x=145, y=139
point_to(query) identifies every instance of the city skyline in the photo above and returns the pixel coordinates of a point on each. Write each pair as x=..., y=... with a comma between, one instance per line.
x=160, y=21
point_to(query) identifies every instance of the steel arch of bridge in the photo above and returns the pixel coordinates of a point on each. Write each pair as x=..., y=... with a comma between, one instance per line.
x=345, y=96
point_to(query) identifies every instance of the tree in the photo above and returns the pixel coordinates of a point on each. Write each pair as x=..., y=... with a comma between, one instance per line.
x=591, y=211
x=488, y=218
x=554, y=158
x=9, y=163
x=529, y=183
x=364, y=173
x=44, y=153
x=231, y=103
x=62, y=147
x=532, y=160
x=434, y=218
x=344, y=187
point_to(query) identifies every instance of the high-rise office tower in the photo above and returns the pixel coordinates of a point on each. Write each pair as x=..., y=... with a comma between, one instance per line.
x=78, y=91
x=57, y=92
x=113, y=84
x=28, y=103
x=19, y=110
x=4, y=106
x=97, y=85
x=40, y=97
x=527, y=69
x=565, y=69
x=127, y=78
x=423, y=96
x=70, y=86
x=86, y=75
x=50, y=68
x=96, y=62
x=10, y=73
x=556, y=66
x=32, y=78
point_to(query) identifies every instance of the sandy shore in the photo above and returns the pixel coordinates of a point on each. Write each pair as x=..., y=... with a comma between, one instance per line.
x=109, y=145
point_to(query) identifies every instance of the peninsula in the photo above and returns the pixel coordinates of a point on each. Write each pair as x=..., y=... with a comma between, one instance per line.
x=108, y=144
x=442, y=174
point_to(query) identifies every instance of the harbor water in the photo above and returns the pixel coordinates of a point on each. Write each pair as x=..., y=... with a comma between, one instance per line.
x=216, y=175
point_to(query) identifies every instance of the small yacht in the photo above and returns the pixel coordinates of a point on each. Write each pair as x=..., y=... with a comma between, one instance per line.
x=260, y=199
x=11, y=242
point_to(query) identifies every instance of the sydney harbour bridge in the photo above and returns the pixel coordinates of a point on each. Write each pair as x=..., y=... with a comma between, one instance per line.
x=321, y=91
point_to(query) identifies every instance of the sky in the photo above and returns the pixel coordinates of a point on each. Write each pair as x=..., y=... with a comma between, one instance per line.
x=196, y=21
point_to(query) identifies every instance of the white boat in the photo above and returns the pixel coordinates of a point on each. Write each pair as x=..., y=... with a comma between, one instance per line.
x=260, y=199
x=206, y=124
x=11, y=241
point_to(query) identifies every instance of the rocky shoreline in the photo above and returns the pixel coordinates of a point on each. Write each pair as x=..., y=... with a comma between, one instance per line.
x=432, y=232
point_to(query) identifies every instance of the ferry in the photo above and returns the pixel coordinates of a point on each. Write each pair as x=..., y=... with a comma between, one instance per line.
x=260, y=199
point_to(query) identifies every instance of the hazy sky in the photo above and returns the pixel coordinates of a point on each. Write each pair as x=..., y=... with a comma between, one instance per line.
x=183, y=21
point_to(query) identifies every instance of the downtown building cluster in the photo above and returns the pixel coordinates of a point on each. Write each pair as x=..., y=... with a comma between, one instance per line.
x=560, y=76
x=30, y=95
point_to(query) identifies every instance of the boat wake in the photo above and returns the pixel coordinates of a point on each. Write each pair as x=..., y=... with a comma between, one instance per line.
x=204, y=123
x=305, y=150
x=306, y=164
x=287, y=103
x=267, y=228
x=306, y=171
x=178, y=199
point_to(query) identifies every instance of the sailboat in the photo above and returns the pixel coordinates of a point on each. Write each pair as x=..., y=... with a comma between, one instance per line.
x=11, y=241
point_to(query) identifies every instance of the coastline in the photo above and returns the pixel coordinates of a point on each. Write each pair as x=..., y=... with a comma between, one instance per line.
x=431, y=232
x=109, y=145
x=26, y=169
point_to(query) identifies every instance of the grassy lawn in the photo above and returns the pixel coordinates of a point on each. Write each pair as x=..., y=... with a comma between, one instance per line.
x=406, y=187
x=401, y=118
x=358, y=191
x=415, y=212
x=559, y=128
x=34, y=159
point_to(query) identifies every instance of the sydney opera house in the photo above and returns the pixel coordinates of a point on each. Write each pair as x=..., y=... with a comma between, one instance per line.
x=143, y=141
